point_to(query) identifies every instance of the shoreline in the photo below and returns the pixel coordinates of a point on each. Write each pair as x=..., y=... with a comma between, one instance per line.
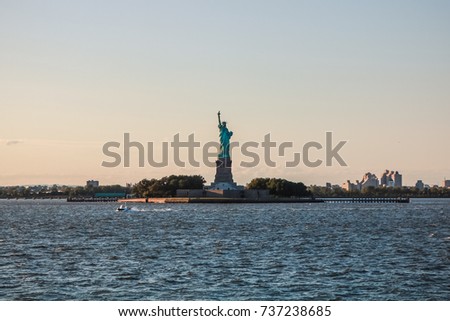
x=184, y=200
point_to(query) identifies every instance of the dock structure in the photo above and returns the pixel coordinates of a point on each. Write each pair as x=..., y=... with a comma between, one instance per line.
x=92, y=199
x=367, y=200
x=98, y=198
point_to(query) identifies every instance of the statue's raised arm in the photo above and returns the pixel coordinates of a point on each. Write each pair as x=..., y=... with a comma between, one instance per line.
x=218, y=116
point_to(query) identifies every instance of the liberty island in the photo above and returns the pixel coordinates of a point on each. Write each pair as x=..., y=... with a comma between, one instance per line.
x=225, y=190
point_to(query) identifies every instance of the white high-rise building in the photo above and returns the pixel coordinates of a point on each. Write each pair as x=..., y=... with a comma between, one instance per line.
x=391, y=179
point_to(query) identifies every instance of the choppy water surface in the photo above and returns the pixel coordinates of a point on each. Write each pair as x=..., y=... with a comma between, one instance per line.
x=60, y=251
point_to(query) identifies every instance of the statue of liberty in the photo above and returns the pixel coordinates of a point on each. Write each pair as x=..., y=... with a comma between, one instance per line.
x=224, y=136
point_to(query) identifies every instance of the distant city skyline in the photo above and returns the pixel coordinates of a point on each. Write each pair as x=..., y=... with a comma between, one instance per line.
x=77, y=75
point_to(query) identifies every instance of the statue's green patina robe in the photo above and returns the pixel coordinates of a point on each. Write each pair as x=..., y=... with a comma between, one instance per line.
x=224, y=137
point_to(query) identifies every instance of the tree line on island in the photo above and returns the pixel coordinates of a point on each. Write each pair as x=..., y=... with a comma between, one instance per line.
x=168, y=185
x=59, y=191
x=280, y=187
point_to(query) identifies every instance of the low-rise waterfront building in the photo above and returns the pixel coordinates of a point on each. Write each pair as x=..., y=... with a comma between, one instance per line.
x=420, y=185
x=92, y=183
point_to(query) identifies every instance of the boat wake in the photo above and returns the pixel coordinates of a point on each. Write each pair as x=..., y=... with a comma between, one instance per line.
x=140, y=210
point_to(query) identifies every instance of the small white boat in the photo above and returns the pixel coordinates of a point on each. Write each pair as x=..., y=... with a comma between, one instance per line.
x=123, y=208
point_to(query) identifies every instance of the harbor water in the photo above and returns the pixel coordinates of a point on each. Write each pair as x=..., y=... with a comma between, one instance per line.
x=54, y=250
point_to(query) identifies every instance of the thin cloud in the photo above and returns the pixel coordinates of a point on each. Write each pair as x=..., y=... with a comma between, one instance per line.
x=48, y=142
x=13, y=142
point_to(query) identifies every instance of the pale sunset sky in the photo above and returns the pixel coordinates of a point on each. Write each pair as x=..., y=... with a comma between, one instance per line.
x=77, y=74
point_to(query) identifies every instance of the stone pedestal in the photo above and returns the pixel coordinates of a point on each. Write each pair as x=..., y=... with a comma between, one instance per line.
x=224, y=177
x=223, y=171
